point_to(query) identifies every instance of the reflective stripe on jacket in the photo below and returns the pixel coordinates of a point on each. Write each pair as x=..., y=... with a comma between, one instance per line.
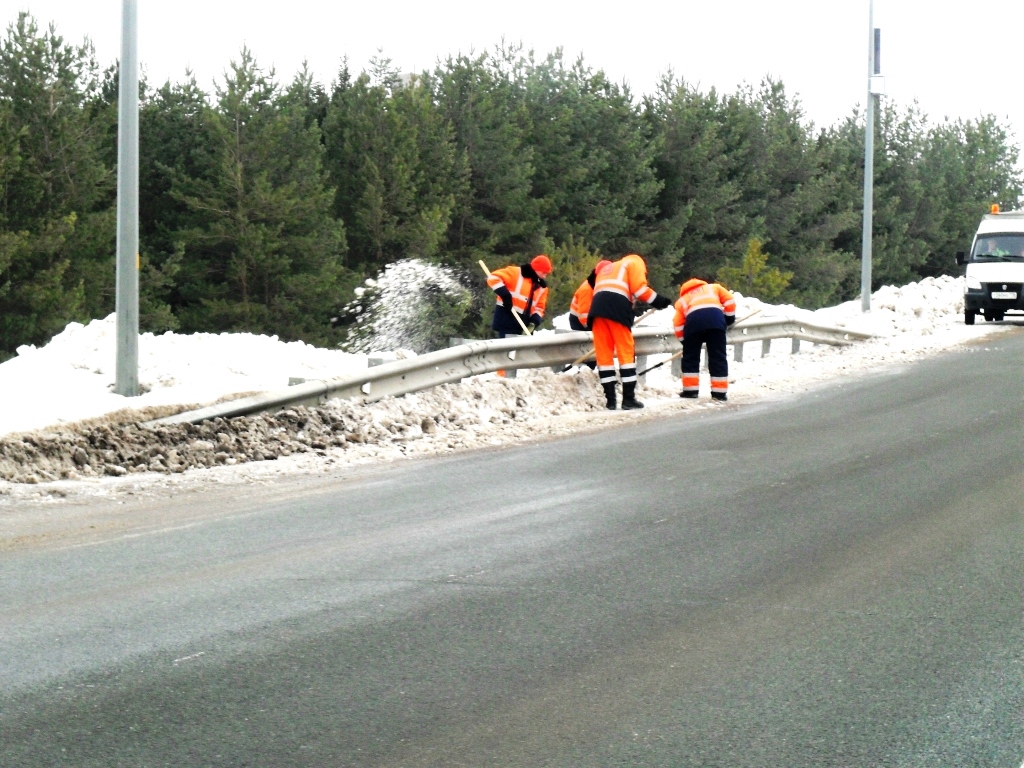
x=581, y=300
x=520, y=287
x=618, y=287
x=702, y=305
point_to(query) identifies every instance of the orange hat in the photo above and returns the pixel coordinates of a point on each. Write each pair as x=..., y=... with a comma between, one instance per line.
x=541, y=264
x=689, y=285
x=601, y=265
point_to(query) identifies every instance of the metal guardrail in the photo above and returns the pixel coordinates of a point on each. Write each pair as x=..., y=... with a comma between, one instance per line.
x=476, y=357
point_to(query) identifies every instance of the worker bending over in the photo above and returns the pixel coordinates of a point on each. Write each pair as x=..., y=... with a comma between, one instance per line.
x=522, y=296
x=703, y=312
x=579, y=309
x=522, y=290
x=617, y=288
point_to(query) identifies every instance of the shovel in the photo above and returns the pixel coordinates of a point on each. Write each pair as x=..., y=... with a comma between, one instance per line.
x=515, y=314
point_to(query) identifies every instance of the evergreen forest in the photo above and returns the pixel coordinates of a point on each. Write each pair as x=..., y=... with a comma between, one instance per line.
x=267, y=202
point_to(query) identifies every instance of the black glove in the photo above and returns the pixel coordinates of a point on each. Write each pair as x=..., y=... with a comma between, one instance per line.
x=506, y=297
x=536, y=320
x=660, y=302
x=729, y=320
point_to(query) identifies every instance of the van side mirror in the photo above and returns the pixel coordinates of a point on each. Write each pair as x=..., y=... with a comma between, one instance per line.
x=961, y=258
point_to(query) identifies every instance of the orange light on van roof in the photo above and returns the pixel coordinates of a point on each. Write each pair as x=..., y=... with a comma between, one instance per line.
x=995, y=207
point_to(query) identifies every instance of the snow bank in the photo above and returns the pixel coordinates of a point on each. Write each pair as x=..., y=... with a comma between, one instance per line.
x=68, y=430
x=72, y=377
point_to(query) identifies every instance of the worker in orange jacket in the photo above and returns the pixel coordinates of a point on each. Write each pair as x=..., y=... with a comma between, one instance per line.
x=579, y=309
x=617, y=288
x=703, y=312
x=522, y=290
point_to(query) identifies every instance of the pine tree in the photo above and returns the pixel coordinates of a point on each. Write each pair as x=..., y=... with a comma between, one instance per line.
x=56, y=223
x=393, y=162
x=264, y=254
x=754, y=277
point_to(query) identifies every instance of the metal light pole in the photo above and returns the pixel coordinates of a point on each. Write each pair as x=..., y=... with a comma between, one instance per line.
x=875, y=89
x=127, y=368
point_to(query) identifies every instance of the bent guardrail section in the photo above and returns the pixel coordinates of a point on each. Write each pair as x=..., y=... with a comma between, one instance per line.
x=474, y=358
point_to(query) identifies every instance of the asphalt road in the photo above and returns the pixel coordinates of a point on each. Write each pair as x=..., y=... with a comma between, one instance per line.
x=827, y=580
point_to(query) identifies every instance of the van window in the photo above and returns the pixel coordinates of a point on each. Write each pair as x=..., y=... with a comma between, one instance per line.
x=999, y=247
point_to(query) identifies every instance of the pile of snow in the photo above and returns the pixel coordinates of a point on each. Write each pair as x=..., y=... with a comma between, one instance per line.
x=68, y=430
x=72, y=377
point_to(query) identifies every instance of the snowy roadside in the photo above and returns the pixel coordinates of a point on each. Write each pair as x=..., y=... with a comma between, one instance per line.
x=111, y=455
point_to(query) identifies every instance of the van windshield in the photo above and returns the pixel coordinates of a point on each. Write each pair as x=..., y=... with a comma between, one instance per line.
x=999, y=247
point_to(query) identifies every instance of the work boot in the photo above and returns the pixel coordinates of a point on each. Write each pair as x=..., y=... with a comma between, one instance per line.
x=720, y=396
x=689, y=394
x=609, y=394
x=629, y=401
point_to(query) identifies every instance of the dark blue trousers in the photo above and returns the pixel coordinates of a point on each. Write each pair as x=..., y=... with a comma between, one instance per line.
x=718, y=360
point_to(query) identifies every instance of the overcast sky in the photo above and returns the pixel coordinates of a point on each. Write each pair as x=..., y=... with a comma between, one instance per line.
x=957, y=59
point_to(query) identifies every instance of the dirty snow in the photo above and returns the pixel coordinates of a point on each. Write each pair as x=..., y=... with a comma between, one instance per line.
x=64, y=434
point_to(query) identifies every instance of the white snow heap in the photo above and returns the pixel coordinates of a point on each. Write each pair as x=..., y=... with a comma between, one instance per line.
x=71, y=378
x=413, y=304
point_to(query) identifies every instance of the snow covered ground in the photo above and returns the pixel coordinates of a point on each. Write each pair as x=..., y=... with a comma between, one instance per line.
x=64, y=434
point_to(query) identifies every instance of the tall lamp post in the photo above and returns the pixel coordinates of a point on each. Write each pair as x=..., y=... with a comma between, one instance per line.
x=127, y=368
x=876, y=87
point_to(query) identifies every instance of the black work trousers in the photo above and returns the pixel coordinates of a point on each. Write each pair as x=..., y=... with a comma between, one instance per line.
x=718, y=360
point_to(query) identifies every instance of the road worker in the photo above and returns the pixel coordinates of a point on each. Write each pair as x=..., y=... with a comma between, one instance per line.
x=579, y=309
x=522, y=290
x=703, y=312
x=617, y=288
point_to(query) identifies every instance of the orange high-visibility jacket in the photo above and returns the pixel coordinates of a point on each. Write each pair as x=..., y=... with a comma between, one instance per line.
x=520, y=287
x=618, y=287
x=702, y=304
x=581, y=300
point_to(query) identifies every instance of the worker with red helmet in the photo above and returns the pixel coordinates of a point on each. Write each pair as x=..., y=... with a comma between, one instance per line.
x=617, y=288
x=579, y=309
x=522, y=290
x=703, y=312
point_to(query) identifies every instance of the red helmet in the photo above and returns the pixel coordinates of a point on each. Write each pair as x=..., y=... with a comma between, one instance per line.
x=541, y=264
x=601, y=265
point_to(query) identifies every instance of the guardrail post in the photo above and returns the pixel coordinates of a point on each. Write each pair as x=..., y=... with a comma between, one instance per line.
x=737, y=352
x=641, y=365
x=795, y=346
x=677, y=367
x=509, y=373
x=766, y=347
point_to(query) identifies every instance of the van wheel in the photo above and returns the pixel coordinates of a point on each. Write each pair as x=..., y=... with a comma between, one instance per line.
x=989, y=317
x=998, y=317
x=969, y=317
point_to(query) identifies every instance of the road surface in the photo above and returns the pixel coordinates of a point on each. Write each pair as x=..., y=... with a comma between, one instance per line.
x=832, y=579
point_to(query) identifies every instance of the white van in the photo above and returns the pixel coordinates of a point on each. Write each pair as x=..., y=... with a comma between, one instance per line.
x=995, y=267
